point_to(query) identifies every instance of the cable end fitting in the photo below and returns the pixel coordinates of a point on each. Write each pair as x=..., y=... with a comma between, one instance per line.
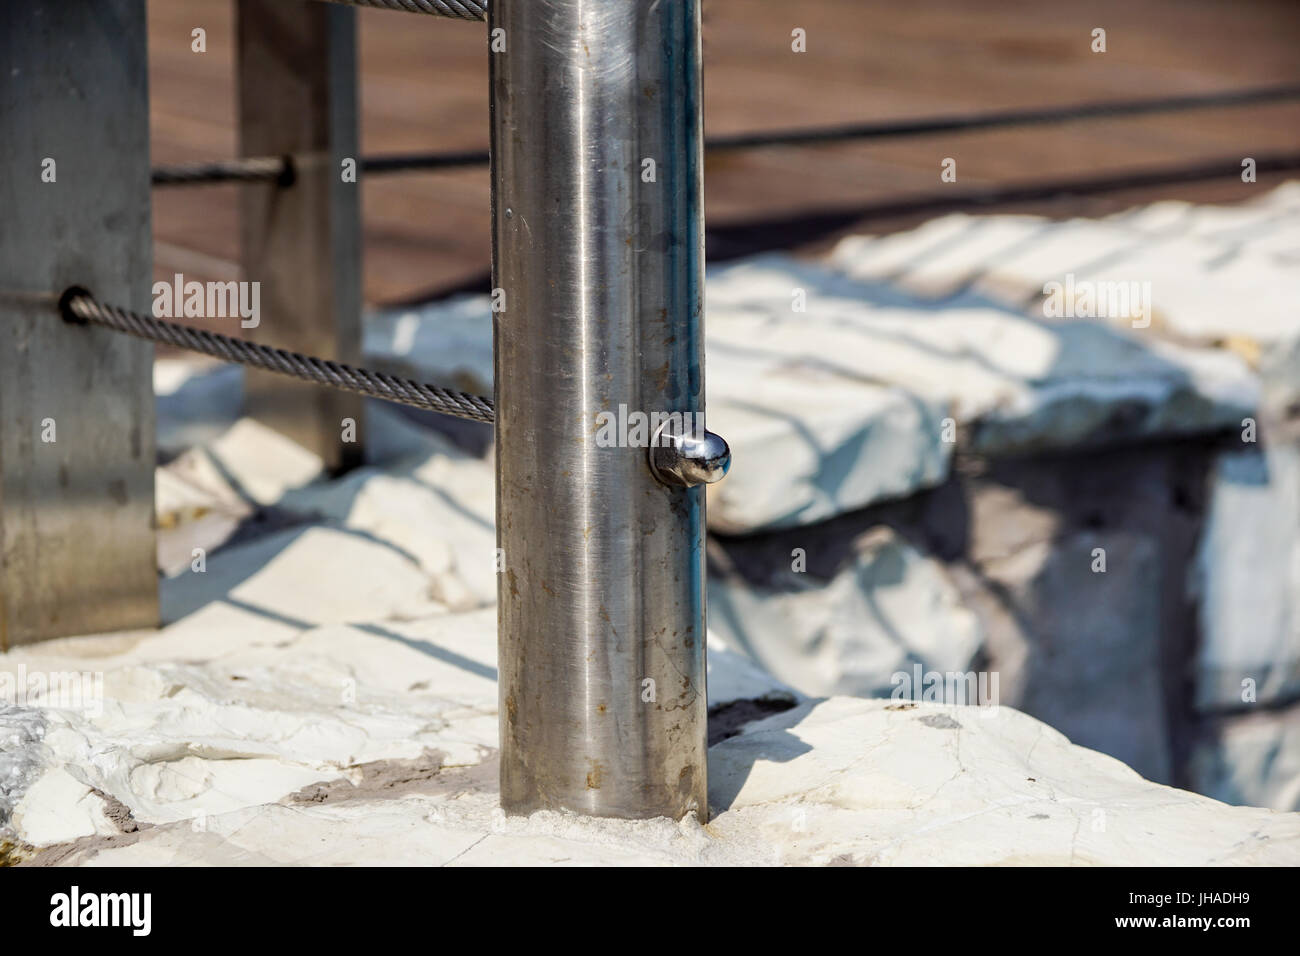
x=70, y=295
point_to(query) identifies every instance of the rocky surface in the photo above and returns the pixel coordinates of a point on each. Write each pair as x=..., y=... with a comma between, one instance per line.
x=838, y=393
x=968, y=374
x=298, y=660
x=282, y=769
x=1071, y=581
x=1124, y=526
x=1249, y=560
x=1249, y=758
x=1216, y=274
x=312, y=700
x=914, y=382
x=931, y=476
x=886, y=608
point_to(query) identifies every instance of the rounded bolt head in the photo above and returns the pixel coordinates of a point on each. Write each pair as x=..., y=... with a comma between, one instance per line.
x=689, y=460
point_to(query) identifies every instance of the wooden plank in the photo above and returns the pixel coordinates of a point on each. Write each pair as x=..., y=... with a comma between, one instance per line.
x=301, y=241
x=77, y=550
x=424, y=87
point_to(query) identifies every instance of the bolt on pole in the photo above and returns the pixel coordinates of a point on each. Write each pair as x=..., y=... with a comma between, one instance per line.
x=598, y=272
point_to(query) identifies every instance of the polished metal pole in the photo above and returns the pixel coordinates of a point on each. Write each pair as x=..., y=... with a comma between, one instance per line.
x=598, y=268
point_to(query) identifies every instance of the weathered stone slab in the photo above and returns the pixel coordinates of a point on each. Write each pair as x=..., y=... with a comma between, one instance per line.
x=1247, y=582
x=839, y=781
x=889, y=609
x=1215, y=274
x=865, y=393
x=1252, y=759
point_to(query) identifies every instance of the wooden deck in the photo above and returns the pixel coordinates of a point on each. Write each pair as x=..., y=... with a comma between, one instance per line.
x=424, y=87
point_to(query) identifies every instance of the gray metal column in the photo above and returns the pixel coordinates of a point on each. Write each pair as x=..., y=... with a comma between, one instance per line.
x=599, y=256
x=77, y=549
x=302, y=240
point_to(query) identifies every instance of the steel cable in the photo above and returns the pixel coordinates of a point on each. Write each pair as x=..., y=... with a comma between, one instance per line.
x=272, y=168
x=79, y=306
x=250, y=169
x=456, y=9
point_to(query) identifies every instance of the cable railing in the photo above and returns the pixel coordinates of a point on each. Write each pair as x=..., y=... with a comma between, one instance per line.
x=597, y=306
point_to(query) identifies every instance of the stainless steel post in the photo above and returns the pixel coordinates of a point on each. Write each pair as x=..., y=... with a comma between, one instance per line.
x=77, y=550
x=598, y=259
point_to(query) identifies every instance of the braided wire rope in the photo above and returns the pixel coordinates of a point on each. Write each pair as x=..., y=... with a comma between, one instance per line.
x=249, y=169
x=456, y=9
x=79, y=306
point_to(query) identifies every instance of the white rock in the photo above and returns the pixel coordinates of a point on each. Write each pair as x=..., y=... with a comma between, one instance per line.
x=860, y=397
x=457, y=347
x=1019, y=383
x=297, y=670
x=250, y=462
x=213, y=715
x=1083, y=650
x=890, y=608
x=178, y=736
x=1252, y=760
x=311, y=658
x=439, y=511
x=57, y=808
x=1214, y=274
x=432, y=502
x=855, y=781
x=307, y=576
x=1266, y=227
x=197, y=399
x=732, y=676
x=194, y=508
x=807, y=445
x=833, y=781
x=1248, y=582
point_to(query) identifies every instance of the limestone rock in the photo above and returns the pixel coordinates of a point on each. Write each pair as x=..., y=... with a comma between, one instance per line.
x=1213, y=274
x=865, y=782
x=1248, y=582
x=1085, y=656
x=196, y=400
x=1252, y=759
x=888, y=609
x=839, y=781
x=246, y=701
x=836, y=393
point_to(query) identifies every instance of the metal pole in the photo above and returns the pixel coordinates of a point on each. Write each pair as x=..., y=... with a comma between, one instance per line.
x=302, y=239
x=77, y=552
x=598, y=262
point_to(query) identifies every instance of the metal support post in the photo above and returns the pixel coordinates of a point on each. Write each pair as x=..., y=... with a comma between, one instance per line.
x=302, y=239
x=598, y=264
x=77, y=552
